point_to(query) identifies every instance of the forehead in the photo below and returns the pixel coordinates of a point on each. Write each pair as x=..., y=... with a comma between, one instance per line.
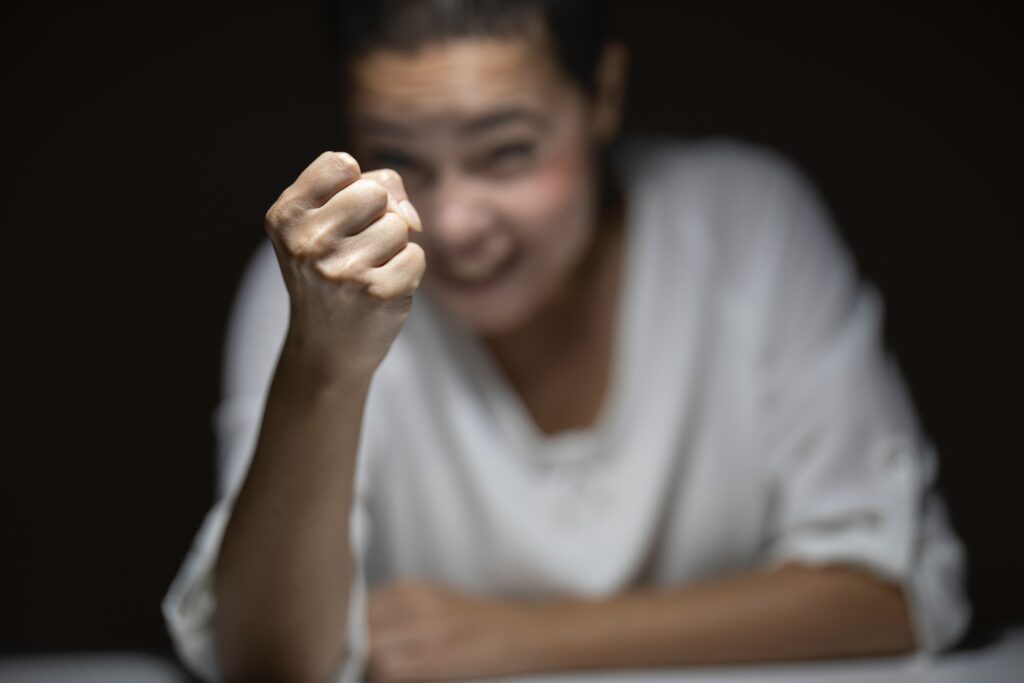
x=457, y=79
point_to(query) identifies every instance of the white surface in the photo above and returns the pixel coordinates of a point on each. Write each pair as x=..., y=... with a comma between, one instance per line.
x=1002, y=662
x=752, y=418
x=90, y=668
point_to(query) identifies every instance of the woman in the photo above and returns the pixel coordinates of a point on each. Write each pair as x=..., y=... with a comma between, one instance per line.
x=636, y=414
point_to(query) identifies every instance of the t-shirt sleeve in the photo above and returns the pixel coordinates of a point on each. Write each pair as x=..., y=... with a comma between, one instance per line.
x=852, y=476
x=255, y=334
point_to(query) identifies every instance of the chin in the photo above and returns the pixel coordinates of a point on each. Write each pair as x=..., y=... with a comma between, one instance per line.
x=494, y=320
x=487, y=313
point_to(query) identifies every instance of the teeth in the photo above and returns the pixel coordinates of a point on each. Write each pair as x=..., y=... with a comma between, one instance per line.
x=473, y=271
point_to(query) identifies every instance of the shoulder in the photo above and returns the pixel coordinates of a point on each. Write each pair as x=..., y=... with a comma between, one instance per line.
x=737, y=194
x=741, y=201
x=723, y=166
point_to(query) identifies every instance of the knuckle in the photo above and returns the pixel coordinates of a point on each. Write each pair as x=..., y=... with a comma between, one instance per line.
x=270, y=219
x=389, y=176
x=342, y=267
x=309, y=242
x=392, y=230
x=324, y=271
x=335, y=272
x=379, y=291
x=294, y=244
x=353, y=268
x=346, y=163
x=337, y=163
x=391, y=291
x=286, y=210
x=328, y=270
x=277, y=216
x=293, y=239
x=329, y=170
x=319, y=234
x=372, y=194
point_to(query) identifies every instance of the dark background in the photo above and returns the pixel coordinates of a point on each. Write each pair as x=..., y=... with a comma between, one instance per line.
x=146, y=143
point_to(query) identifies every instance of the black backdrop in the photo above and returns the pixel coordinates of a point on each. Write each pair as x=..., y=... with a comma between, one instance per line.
x=146, y=143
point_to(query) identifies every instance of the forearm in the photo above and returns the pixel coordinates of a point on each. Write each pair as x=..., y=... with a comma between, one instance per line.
x=284, y=569
x=788, y=614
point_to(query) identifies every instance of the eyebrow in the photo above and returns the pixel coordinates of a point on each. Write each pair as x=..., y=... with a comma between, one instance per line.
x=475, y=126
x=503, y=117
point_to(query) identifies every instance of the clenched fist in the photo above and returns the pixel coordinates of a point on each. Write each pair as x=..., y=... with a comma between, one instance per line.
x=342, y=242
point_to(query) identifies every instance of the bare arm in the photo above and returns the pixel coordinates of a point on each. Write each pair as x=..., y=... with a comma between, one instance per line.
x=284, y=568
x=790, y=613
x=423, y=631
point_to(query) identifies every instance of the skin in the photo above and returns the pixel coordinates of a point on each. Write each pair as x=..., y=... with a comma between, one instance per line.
x=496, y=149
x=421, y=631
x=284, y=570
x=519, y=186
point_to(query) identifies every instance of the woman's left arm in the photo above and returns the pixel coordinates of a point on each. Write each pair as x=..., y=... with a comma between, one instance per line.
x=421, y=631
x=848, y=479
x=789, y=613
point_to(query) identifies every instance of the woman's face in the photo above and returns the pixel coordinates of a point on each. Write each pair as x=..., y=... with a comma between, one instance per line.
x=496, y=150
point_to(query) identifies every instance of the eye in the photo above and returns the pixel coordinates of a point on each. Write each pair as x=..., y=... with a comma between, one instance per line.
x=511, y=152
x=413, y=170
x=508, y=158
x=392, y=159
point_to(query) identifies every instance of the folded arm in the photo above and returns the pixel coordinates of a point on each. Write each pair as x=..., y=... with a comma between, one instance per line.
x=422, y=631
x=794, y=612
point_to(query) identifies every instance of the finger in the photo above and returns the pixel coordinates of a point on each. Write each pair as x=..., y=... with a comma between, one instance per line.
x=405, y=635
x=396, y=667
x=401, y=655
x=349, y=212
x=400, y=276
x=421, y=665
x=374, y=246
x=405, y=596
x=389, y=603
x=391, y=181
x=398, y=198
x=326, y=176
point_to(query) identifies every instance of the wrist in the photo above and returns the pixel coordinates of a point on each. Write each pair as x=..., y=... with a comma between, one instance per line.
x=544, y=634
x=317, y=370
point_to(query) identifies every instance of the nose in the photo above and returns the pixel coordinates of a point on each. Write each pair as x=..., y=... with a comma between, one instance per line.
x=460, y=220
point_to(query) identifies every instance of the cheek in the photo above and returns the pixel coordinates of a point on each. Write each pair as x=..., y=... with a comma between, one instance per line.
x=550, y=207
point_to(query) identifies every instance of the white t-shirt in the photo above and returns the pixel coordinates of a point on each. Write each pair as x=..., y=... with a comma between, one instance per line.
x=752, y=418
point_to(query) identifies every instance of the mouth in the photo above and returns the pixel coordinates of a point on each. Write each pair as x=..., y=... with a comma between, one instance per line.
x=475, y=275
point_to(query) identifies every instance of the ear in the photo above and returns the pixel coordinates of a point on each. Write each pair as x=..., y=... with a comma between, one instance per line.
x=611, y=91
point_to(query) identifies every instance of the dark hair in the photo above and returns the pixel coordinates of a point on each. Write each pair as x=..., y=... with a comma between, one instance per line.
x=577, y=29
x=576, y=32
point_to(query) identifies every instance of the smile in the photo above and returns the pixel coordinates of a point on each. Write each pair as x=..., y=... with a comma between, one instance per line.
x=476, y=273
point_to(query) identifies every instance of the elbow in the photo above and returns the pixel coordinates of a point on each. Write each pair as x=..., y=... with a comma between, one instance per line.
x=879, y=611
x=279, y=667
x=256, y=644
x=867, y=615
x=261, y=655
x=904, y=635
x=889, y=625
